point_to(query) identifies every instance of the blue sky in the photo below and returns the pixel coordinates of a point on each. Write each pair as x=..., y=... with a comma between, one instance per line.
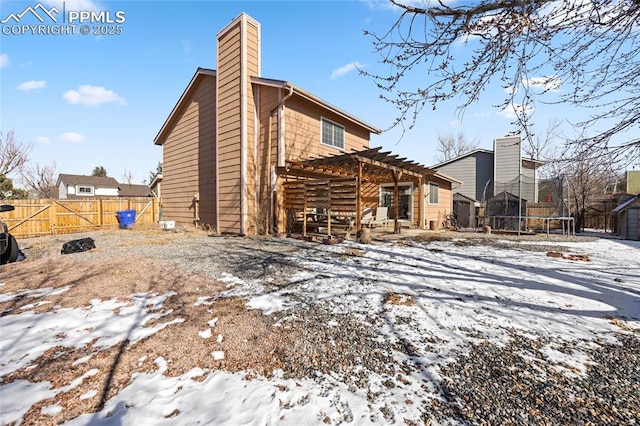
x=87, y=100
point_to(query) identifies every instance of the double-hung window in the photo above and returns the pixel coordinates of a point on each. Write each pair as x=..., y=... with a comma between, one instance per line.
x=332, y=134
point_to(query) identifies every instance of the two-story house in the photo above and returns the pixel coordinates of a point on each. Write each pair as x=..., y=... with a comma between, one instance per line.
x=487, y=174
x=234, y=137
x=79, y=186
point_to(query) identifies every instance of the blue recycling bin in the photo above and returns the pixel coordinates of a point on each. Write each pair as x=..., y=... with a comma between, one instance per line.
x=126, y=218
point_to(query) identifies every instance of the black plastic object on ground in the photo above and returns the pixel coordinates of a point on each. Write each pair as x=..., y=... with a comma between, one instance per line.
x=77, y=246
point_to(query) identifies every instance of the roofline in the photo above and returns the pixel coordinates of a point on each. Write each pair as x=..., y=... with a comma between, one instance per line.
x=313, y=98
x=446, y=177
x=158, y=179
x=485, y=151
x=199, y=72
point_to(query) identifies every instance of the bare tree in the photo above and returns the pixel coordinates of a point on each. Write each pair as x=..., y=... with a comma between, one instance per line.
x=540, y=147
x=450, y=146
x=532, y=48
x=586, y=175
x=42, y=179
x=128, y=176
x=13, y=153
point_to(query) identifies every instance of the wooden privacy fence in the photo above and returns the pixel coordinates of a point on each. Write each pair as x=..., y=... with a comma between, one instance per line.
x=34, y=218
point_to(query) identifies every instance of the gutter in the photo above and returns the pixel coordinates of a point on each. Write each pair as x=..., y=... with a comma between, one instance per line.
x=280, y=152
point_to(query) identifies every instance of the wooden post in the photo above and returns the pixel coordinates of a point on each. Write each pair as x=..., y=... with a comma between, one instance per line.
x=328, y=209
x=52, y=217
x=396, y=199
x=421, y=217
x=359, y=200
x=304, y=210
x=100, y=221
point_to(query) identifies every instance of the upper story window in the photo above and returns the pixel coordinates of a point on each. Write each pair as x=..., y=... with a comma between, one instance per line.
x=84, y=190
x=433, y=193
x=332, y=134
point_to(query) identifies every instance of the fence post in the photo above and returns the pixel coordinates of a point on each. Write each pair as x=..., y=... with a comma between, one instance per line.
x=52, y=216
x=100, y=220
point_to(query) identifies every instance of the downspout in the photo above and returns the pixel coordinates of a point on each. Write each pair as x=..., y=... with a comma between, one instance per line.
x=271, y=182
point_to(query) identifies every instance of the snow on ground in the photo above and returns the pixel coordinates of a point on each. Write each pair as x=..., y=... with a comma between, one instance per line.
x=447, y=295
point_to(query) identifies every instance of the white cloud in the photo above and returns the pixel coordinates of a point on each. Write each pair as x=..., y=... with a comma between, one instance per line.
x=345, y=69
x=510, y=90
x=88, y=95
x=31, y=85
x=513, y=109
x=482, y=114
x=547, y=84
x=4, y=60
x=43, y=140
x=72, y=137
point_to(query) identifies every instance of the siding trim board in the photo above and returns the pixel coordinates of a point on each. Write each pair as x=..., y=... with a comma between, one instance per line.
x=243, y=123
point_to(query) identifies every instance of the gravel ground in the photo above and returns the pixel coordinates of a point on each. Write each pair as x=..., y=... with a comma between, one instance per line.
x=490, y=384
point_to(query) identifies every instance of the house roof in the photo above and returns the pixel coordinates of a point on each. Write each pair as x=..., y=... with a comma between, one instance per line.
x=156, y=180
x=197, y=77
x=204, y=72
x=134, y=190
x=281, y=84
x=625, y=204
x=95, y=181
x=468, y=154
x=458, y=196
x=378, y=165
x=476, y=151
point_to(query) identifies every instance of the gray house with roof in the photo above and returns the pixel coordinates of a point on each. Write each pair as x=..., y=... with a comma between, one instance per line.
x=486, y=173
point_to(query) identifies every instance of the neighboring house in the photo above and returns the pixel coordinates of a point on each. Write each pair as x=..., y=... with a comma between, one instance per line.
x=633, y=182
x=627, y=219
x=486, y=173
x=156, y=185
x=234, y=138
x=134, y=190
x=80, y=186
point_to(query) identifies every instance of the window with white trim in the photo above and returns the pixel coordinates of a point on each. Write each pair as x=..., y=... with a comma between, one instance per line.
x=433, y=193
x=332, y=133
x=84, y=190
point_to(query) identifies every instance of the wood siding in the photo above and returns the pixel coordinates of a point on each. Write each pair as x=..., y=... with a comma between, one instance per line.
x=238, y=60
x=302, y=131
x=228, y=81
x=252, y=69
x=507, y=163
x=463, y=169
x=474, y=171
x=267, y=99
x=189, y=159
x=435, y=212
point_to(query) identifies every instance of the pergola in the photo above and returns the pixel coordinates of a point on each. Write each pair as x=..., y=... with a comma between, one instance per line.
x=367, y=165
